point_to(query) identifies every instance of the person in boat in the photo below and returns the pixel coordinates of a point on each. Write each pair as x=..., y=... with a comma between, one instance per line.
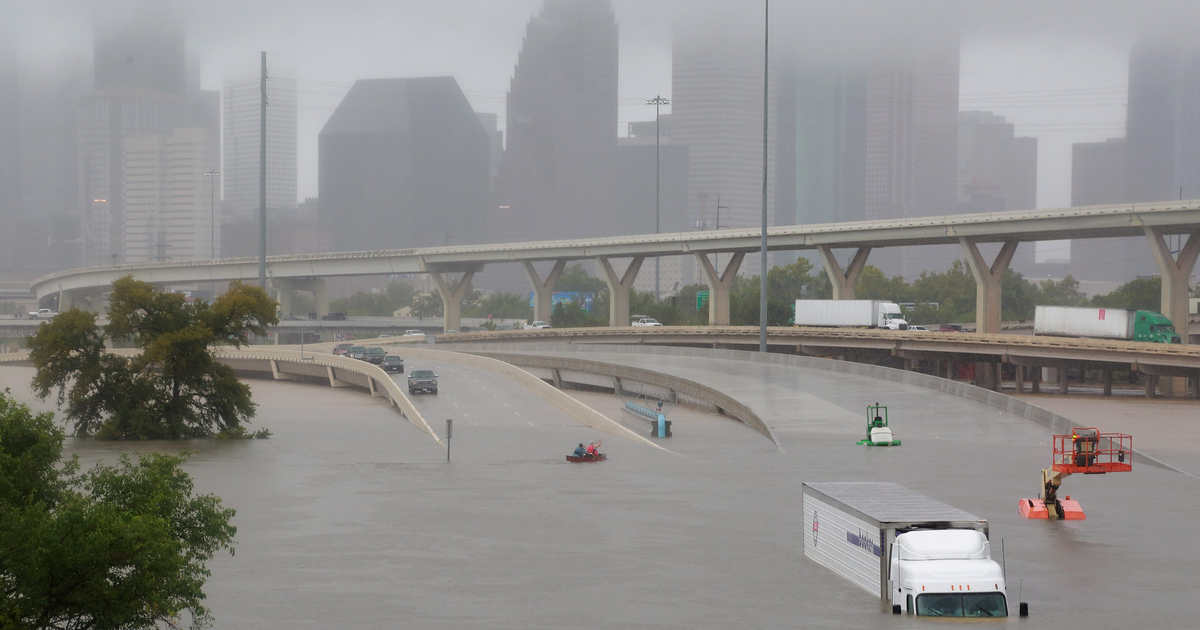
x=580, y=451
x=592, y=451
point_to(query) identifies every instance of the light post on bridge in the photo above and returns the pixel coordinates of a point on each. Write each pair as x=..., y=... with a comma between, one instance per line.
x=657, y=102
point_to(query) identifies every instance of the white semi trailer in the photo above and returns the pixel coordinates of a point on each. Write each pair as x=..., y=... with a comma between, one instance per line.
x=917, y=554
x=857, y=313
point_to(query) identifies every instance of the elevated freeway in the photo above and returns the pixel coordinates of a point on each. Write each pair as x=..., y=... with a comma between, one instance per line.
x=307, y=272
x=942, y=350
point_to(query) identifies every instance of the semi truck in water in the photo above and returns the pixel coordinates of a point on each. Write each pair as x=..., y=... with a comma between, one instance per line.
x=1104, y=323
x=917, y=554
x=855, y=313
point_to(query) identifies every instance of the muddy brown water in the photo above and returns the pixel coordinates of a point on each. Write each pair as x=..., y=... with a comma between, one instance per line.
x=350, y=518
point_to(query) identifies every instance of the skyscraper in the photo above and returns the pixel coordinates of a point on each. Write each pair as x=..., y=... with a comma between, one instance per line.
x=167, y=204
x=559, y=171
x=490, y=124
x=142, y=88
x=240, y=171
x=403, y=163
x=1099, y=176
x=1163, y=128
x=638, y=192
x=10, y=150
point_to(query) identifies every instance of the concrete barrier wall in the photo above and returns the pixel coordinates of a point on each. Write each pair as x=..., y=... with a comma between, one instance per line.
x=560, y=399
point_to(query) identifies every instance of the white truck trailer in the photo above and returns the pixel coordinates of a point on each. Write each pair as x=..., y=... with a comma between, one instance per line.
x=856, y=313
x=1104, y=323
x=917, y=554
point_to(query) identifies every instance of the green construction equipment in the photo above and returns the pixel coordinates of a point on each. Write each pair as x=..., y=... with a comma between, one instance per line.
x=878, y=432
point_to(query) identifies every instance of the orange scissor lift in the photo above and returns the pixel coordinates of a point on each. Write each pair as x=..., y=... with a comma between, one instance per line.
x=1086, y=451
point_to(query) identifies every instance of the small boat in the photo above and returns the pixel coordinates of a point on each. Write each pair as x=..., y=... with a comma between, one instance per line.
x=575, y=459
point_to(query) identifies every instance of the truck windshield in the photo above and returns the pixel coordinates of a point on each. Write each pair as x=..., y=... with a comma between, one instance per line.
x=965, y=605
x=893, y=316
x=1163, y=328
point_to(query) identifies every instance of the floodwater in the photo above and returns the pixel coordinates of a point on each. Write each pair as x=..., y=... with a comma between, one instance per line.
x=351, y=518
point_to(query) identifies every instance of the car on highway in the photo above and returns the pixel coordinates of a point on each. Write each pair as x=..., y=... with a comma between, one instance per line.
x=42, y=313
x=950, y=328
x=342, y=348
x=422, y=381
x=646, y=322
x=375, y=355
x=384, y=336
x=414, y=333
x=357, y=352
x=537, y=325
x=334, y=317
x=392, y=363
x=918, y=329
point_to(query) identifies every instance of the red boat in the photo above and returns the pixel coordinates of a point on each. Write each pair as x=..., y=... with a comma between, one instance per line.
x=574, y=459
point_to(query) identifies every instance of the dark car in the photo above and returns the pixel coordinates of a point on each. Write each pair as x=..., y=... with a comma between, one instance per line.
x=357, y=352
x=392, y=363
x=334, y=317
x=950, y=328
x=422, y=381
x=375, y=355
x=342, y=348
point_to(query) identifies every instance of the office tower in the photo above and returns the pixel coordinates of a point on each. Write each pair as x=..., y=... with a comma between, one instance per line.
x=821, y=154
x=403, y=163
x=634, y=212
x=1163, y=127
x=142, y=89
x=1100, y=176
x=10, y=151
x=168, y=200
x=48, y=234
x=558, y=173
x=240, y=170
x=496, y=143
x=911, y=146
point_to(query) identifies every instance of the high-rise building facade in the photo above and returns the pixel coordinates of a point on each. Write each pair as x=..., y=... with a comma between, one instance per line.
x=10, y=150
x=491, y=125
x=403, y=163
x=653, y=179
x=559, y=171
x=169, y=209
x=1099, y=176
x=242, y=123
x=1163, y=127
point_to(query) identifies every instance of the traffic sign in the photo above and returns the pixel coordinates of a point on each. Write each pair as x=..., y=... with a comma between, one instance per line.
x=701, y=300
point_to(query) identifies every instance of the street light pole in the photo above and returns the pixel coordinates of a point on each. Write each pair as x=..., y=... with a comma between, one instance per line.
x=762, y=284
x=212, y=223
x=657, y=101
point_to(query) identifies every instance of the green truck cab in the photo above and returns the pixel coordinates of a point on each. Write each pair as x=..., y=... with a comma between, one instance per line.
x=1155, y=327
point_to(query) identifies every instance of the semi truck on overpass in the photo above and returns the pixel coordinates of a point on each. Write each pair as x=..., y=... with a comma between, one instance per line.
x=851, y=313
x=1104, y=323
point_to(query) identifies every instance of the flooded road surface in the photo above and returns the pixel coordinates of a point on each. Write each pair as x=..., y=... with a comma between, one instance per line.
x=349, y=517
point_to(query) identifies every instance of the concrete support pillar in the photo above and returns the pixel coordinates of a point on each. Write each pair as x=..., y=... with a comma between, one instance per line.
x=1107, y=381
x=1019, y=383
x=333, y=380
x=1035, y=377
x=543, y=290
x=1175, y=273
x=1150, y=383
x=65, y=300
x=987, y=283
x=718, y=286
x=452, y=298
x=997, y=375
x=1062, y=380
x=618, y=289
x=96, y=302
x=908, y=365
x=1195, y=383
x=286, y=297
x=320, y=297
x=951, y=369
x=843, y=280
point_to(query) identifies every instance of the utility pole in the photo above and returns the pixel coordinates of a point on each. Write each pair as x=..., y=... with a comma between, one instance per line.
x=262, y=180
x=762, y=284
x=212, y=224
x=657, y=101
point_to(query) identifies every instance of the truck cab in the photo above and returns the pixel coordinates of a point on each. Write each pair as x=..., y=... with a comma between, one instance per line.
x=1154, y=327
x=946, y=573
x=891, y=317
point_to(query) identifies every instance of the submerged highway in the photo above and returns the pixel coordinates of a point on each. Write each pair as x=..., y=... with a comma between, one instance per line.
x=350, y=517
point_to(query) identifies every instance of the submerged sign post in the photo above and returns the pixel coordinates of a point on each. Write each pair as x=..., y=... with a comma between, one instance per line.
x=449, y=430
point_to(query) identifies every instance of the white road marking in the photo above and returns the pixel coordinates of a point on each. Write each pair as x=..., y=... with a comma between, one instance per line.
x=504, y=403
x=531, y=424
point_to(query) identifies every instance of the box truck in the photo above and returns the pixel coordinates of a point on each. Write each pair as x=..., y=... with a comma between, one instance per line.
x=917, y=554
x=857, y=313
x=1104, y=323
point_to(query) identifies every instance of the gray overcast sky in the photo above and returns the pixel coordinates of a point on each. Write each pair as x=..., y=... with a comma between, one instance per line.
x=1058, y=72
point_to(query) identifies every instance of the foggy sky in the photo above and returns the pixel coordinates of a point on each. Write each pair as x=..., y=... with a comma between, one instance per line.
x=1057, y=70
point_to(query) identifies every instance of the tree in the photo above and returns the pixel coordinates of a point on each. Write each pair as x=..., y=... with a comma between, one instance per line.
x=120, y=546
x=873, y=285
x=1143, y=294
x=174, y=388
x=575, y=278
x=1062, y=293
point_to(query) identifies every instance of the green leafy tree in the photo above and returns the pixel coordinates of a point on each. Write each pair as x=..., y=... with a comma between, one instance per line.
x=1143, y=294
x=575, y=278
x=572, y=315
x=1018, y=297
x=501, y=305
x=427, y=305
x=874, y=285
x=122, y=546
x=174, y=388
x=1065, y=292
x=952, y=290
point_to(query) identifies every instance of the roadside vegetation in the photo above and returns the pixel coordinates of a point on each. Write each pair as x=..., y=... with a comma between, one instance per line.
x=174, y=388
x=117, y=546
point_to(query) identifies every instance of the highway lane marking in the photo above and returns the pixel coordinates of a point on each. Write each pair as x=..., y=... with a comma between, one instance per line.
x=531, y=424
x=504, y=403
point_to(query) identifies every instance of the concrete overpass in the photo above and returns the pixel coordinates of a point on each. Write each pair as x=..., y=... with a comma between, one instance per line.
x=306, y=272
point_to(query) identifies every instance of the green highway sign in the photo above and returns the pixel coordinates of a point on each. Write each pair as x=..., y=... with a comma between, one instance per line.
x=701, y=300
